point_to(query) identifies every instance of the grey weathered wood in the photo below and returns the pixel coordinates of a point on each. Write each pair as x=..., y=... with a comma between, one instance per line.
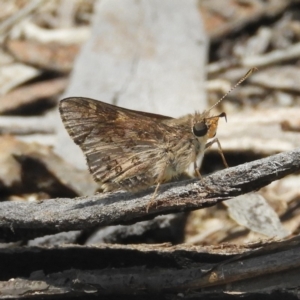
x=24, y=220
x=144, y=55
x=145, y=270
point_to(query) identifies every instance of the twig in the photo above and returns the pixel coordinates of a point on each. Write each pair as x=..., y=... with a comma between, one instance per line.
x=274, y=57
x=21, y=220
x=18, y=16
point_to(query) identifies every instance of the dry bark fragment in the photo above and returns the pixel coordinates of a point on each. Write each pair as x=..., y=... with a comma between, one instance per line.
x=52, y=56
x=151, y=269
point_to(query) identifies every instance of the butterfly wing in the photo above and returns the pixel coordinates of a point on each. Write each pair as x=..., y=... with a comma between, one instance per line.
x=121, y=145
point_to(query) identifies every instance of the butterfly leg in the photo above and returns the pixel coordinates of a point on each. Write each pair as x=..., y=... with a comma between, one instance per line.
x=159, y=181
x=197, y=172
x=153, y=197
x=216, y=140
x=205, y=185
x=207, y=145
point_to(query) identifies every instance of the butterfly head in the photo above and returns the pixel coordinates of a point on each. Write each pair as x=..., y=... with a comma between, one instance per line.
x=206, y=126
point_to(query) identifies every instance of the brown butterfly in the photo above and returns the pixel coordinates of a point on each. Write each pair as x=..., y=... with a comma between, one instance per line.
x=132, y=150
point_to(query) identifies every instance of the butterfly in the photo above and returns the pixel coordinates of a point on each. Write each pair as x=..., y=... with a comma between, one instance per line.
x=133, y=150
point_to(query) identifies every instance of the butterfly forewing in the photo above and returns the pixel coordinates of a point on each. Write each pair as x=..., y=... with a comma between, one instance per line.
x=119, y=144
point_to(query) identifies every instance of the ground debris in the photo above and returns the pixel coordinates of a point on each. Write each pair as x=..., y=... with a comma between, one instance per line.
x=38, y=188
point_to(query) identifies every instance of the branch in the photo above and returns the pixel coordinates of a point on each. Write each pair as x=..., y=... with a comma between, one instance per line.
x=132, y=270
x=24, y=220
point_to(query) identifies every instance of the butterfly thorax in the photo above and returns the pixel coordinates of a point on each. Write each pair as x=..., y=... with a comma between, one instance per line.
x=183, y=147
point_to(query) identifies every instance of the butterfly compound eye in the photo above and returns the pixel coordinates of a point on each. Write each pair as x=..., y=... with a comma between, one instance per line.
x=200, y=129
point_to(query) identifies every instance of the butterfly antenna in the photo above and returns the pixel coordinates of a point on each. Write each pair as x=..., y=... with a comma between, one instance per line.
x=237, y=84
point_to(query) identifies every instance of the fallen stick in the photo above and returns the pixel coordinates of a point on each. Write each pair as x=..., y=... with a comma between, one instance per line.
x=27, y=220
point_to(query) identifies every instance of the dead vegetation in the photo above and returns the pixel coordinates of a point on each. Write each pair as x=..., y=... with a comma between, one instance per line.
x=96, y=244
